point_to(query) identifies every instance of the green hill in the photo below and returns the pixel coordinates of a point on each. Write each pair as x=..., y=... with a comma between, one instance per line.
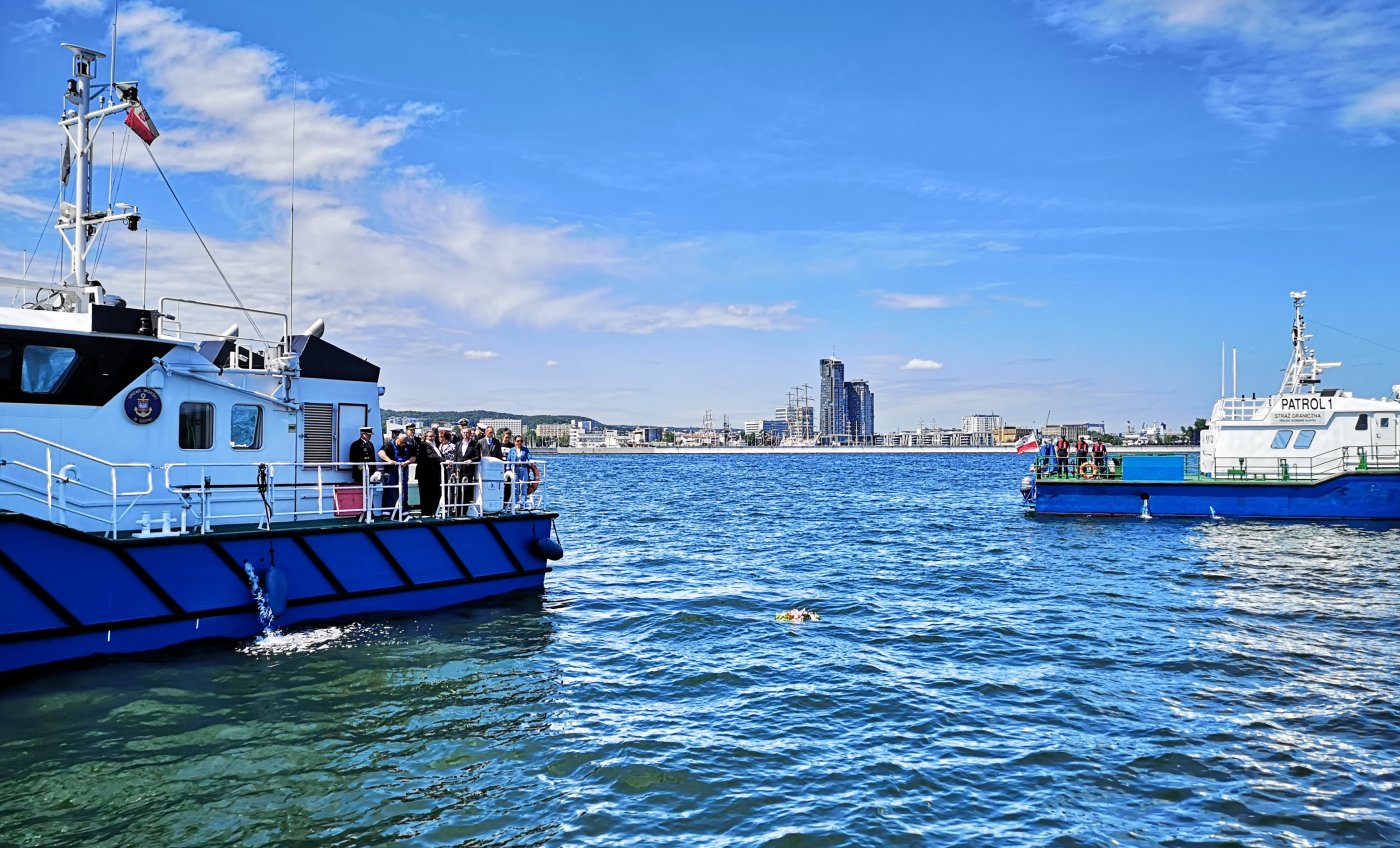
x=473, y=415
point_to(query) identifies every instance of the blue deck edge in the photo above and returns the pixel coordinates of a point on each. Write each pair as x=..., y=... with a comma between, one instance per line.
x=1363, y=496
x=67, y=595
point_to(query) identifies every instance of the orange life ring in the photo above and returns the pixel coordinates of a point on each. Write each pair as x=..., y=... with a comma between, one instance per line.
x=1088, y=470
x=534, y=474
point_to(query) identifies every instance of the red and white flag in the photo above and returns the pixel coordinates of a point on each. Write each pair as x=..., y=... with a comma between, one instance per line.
x=1026, y=444
x=140, y=122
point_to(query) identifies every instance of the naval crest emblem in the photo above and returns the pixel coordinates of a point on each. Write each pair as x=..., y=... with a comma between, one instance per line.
x=142, y=405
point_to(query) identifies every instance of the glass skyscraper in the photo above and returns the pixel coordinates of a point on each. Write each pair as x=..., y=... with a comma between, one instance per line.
x=831, y=412
x=860, y=412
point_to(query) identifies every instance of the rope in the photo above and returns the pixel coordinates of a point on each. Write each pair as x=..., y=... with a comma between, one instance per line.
x=236, y=299
x=1355, y=336
x=262, y=492
x=116, y=189
x=42, y=232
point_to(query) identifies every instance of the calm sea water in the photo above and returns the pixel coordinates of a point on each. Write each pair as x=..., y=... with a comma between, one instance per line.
x=977, y=678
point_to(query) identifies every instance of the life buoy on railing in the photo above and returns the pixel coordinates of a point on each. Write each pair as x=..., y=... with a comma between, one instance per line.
x=534, y=475
x=1088, y=471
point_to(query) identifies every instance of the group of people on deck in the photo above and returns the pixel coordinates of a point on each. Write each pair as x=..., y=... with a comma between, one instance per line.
x=446, y=461
x=1084, y=458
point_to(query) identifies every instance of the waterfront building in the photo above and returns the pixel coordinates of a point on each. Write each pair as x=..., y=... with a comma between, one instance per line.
x=860, y=412
x=588, y=434
x=645, y=435
x=766, y=431
x=515, y=425
x=987, y=423
x=961, y=439
x=1072, y=432
x=922, y=437
x=551, y=434
x=831, y=411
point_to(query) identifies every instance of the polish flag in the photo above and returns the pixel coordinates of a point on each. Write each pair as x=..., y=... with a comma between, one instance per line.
x=1027, y=444
x=140, y=122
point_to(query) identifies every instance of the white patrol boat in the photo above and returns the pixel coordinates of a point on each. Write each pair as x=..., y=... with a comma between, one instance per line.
x=1305, y=452
x=161, y=483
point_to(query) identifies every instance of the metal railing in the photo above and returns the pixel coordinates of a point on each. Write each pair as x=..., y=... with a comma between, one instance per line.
x=1285, y=468
x=1104, y=466
x=45, y=479
x=51, y=490
x=249, y=351
x=1244, y=409
x=257, y=495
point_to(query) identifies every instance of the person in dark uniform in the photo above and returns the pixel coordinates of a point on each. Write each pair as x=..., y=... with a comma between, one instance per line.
x=429, y=473
x=362, y=454
x=469, y=451
x=1081, y=455
x=1062, y=455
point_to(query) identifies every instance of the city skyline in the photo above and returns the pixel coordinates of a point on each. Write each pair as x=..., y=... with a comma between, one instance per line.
x=636, y=212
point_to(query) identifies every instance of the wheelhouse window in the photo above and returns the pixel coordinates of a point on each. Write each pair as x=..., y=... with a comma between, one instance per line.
x=1361, y=422
x=7, y=366
x=1385, y=422
x=44, y=369
x=245, y=426
x=196, y=425
x=1281, y=439
x=1305, y=438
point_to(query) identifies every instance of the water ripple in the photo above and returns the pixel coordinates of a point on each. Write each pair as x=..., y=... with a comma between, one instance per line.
x=977, y=678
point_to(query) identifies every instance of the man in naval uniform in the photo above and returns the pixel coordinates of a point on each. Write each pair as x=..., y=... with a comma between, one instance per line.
x=361, y=454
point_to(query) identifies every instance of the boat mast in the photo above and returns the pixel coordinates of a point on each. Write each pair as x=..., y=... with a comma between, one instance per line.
x=1304, y=371
x=79, y=224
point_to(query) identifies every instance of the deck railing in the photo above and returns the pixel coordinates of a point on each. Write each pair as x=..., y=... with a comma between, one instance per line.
x=45, y=479
x=1294, y=468
x=1244, y=409
x=1275, y=468
x=53, y=484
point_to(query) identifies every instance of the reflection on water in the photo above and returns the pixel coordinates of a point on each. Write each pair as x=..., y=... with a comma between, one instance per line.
x=352, y=735
x=976, y=678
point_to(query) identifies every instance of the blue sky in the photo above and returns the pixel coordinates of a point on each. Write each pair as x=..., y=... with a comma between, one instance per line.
x=637, y=211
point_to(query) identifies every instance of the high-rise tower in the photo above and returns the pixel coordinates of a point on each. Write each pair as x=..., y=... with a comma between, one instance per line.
x=831, y=414
x=860, y=412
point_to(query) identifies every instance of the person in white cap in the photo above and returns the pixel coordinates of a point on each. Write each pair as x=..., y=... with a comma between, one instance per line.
x=362, y=454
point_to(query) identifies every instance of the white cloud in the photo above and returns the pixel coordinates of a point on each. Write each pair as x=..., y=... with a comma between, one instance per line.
x=35, y=30
x=1381, y=105
x=743, y=316
x=1268, y=63
x=85, y=7
x=236, y=105
x=480, y=354
x=362, y=238
x=895, y=300
x=999, y=247
x=27, y=147
x=550, y=363
x=1032, y=302
x=921, y=365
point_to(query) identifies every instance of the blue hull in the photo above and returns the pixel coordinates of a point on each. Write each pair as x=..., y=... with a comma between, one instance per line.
x=1365, y=496
x=66, y=595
